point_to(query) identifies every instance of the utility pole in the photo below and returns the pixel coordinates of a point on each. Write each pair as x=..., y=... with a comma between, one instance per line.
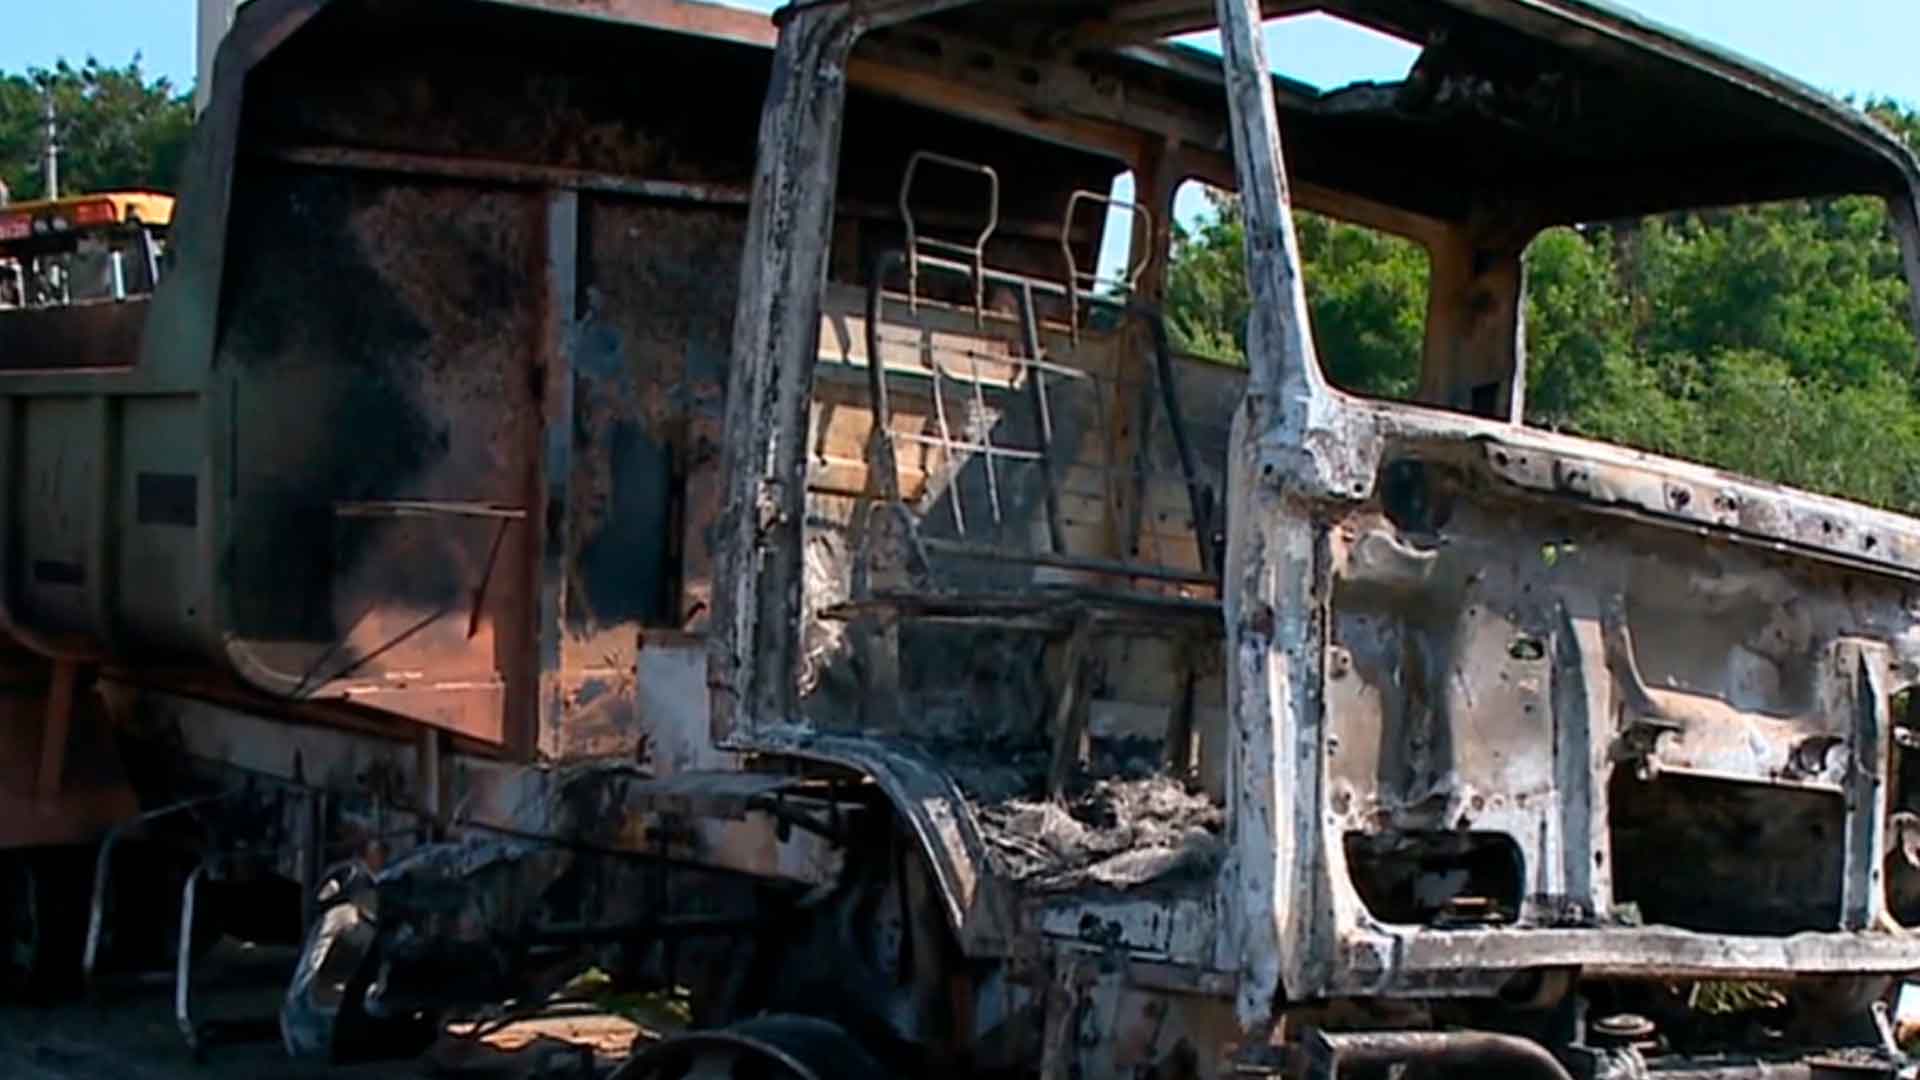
x=53, y=146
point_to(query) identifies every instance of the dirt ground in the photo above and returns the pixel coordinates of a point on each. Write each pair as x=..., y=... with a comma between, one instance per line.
x=128, y=1033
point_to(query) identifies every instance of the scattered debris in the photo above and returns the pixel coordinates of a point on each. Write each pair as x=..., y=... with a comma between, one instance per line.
x=1116, y=833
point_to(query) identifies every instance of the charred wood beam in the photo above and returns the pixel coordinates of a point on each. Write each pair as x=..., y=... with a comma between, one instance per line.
x=1064, y=103
x=987, y=106
x=1189, y=66
x=940, y=65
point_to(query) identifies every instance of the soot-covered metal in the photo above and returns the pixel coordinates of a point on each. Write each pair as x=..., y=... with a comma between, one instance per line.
x=848, y=612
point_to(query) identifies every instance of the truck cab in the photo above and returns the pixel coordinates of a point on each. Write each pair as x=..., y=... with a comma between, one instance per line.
x=1495, y=700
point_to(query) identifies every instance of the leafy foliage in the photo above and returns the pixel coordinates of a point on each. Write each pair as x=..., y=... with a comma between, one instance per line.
x=1206, y=303
x=118, y=128
x=1774, y=340
x=1367, y=292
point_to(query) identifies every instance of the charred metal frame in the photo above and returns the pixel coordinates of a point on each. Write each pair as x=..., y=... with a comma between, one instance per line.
x=1302, y=455
x=1307, y=516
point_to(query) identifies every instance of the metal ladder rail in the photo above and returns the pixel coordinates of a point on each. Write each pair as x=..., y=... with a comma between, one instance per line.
x=1161, y=394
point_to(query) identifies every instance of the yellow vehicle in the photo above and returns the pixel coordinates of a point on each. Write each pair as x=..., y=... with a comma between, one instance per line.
x=76, y=276
x=82, y=249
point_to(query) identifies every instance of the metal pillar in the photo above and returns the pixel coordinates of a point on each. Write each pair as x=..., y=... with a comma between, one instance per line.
x=52, y=152
x=216, y=18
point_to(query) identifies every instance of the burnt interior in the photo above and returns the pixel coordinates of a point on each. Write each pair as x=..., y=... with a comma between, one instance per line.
x=973, y=585
x=378, y=287
x=1448, y=880
x=1578, y=124
x=1726, y=858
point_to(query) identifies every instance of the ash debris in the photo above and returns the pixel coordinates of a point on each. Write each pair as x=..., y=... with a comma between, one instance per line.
x=1123, y=822
x=1117, y=832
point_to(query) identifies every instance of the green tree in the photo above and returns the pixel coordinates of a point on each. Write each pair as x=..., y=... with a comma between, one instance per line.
x=1578, y=322
x=1774, y=340
x=1367, y=292
x=1206, y=304
x=1367, y=295
x=1818, y=285
x=118, y=127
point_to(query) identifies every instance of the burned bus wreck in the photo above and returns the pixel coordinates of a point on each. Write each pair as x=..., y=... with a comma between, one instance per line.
x=546, y=525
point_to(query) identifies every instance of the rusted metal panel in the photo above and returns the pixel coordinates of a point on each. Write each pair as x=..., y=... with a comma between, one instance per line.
x=82, y=337
x=346, y=452
x=60, y=780
x=655, y=300
x=333, y=156
x=417, y=362
x=679, y=16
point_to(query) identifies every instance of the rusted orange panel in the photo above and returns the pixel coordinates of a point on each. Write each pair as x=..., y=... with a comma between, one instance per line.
x=681, y=16
x=87, y=790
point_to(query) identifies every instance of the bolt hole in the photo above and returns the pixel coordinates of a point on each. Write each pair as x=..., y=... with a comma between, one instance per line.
x=1527, y=648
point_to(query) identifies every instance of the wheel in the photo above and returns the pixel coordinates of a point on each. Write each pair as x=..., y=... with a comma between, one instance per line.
x=45, y=897
x=764, y=1048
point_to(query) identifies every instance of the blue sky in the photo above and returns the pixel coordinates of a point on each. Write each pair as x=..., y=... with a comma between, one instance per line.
x=1858, y=47
x=1849, y=46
